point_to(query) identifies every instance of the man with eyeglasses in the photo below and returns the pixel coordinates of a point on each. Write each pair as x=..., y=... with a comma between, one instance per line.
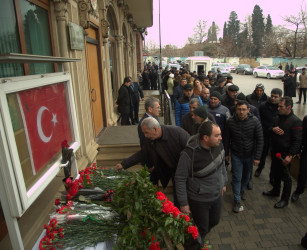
x=244, y=139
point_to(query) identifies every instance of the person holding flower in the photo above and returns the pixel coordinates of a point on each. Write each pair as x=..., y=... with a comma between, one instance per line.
x=286, y=143
x=201, y=177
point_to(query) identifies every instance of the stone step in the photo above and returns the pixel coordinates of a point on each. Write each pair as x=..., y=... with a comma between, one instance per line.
x=118, y=148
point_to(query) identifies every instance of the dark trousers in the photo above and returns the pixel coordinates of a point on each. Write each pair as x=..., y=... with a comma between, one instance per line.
x=281, y=173
x=206, y=215
x=153, y=85
x=302, y=176
x=302, y=91
x=125, y=119
x=134, y=113
x=265, y=151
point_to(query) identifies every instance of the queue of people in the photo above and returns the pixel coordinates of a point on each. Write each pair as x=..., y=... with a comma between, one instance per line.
x=220, y=126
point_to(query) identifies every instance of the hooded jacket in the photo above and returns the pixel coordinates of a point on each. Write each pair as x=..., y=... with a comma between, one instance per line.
x=201, y=173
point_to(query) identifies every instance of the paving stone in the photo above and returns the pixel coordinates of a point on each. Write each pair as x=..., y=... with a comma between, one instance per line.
x=224, y=234
x=225, y=247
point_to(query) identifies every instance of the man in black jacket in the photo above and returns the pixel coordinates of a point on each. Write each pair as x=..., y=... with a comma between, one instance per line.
x=302, y=176
x=244, y=138
x=163, y=145
x=136, y=92
x=228, y=99
x=268, y=113
x=124, y=101
x=258, y=96
x=286, y=143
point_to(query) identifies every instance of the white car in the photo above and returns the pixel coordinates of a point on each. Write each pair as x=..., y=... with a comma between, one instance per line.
x=228, y=66
x=268, y=72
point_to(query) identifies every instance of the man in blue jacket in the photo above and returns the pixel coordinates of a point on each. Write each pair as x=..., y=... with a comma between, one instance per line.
x=182, y=104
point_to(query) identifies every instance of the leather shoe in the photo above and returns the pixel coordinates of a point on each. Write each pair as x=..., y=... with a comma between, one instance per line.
x=295, y=197
x=271, y=193
x=281, y=204
x=258, y=172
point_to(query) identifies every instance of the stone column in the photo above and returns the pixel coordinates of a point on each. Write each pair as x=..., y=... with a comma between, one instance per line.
x=60, y=9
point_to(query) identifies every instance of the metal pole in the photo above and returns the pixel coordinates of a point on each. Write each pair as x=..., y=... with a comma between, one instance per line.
x=160, y=64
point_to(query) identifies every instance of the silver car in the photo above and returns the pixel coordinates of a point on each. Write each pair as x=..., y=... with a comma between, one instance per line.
x=268, y=72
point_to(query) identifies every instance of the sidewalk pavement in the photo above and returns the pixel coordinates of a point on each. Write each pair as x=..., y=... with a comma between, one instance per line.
x=259, y=225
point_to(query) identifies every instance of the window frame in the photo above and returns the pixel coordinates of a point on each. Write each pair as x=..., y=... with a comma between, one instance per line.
x=45, y=5
x=21, y=198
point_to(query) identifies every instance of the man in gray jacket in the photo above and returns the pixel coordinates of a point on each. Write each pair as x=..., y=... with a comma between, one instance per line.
x=201, y=177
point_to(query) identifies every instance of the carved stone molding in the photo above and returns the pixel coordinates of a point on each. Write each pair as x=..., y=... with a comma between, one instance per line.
x=105, y=28
x=119, y=39
x=60, y=9
x=84, y=9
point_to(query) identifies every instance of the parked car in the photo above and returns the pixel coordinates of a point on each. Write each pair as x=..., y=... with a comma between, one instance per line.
x=268, y=72
x=224, y=71
x=246, y=69
x=225, y=65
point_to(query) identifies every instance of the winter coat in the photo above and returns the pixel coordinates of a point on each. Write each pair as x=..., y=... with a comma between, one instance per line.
x=221, y=114
x=201, y=173
x=182, y=107
x=222, y=90
x=178, y=92
x=136, y=93
x=188, y=124
x=290, y=141
x=289, y=86
x=164, y=152
x=124, y=100
x=303, y=81
x=268, y=114
x=253, y=99
x=170, y=86
x=227, y=101
x=146, y=81
x=244, y=138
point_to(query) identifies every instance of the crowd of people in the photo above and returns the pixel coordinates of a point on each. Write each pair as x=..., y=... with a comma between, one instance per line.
x=217, y=125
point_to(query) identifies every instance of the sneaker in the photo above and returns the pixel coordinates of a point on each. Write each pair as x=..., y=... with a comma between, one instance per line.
x=243, y=196
x=237, y=207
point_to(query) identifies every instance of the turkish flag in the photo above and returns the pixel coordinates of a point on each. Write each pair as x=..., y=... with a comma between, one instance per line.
x=46, y=122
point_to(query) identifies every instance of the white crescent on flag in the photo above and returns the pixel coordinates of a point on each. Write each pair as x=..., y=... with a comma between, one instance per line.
x=41, y=134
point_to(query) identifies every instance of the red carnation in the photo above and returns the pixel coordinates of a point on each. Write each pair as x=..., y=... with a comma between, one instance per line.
x=57, y=202
x=278, y=155
x=193, y=231
x=187, y=218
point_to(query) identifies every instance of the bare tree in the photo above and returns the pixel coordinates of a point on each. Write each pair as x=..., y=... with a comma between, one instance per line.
x=200, y=31
x=299, y=37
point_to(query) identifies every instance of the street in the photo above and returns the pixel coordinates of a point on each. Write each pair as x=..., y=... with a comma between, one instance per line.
x=247, y=85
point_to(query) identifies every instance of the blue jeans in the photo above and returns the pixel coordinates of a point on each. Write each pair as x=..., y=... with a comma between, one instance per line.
x=241, y=170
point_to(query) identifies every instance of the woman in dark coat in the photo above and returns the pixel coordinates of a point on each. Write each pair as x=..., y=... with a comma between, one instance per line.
x=124, y=101
x=290, y=84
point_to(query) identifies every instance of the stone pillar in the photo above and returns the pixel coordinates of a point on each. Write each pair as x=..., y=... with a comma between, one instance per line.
x=60, y=9
x=120, y=60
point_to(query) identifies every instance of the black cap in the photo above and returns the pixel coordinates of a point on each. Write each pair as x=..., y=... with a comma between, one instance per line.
x=241, y=96
x=201, y=111
x=216, y=94
x=233, y=88
x=188, y=86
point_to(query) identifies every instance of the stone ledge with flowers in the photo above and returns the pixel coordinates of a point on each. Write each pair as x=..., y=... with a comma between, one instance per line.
x=103, y=205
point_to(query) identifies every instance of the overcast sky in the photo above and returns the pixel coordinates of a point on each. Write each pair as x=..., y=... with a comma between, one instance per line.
x=178, y=18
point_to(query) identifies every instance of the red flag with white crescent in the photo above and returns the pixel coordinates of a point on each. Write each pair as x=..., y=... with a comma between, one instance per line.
x=46, y=122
